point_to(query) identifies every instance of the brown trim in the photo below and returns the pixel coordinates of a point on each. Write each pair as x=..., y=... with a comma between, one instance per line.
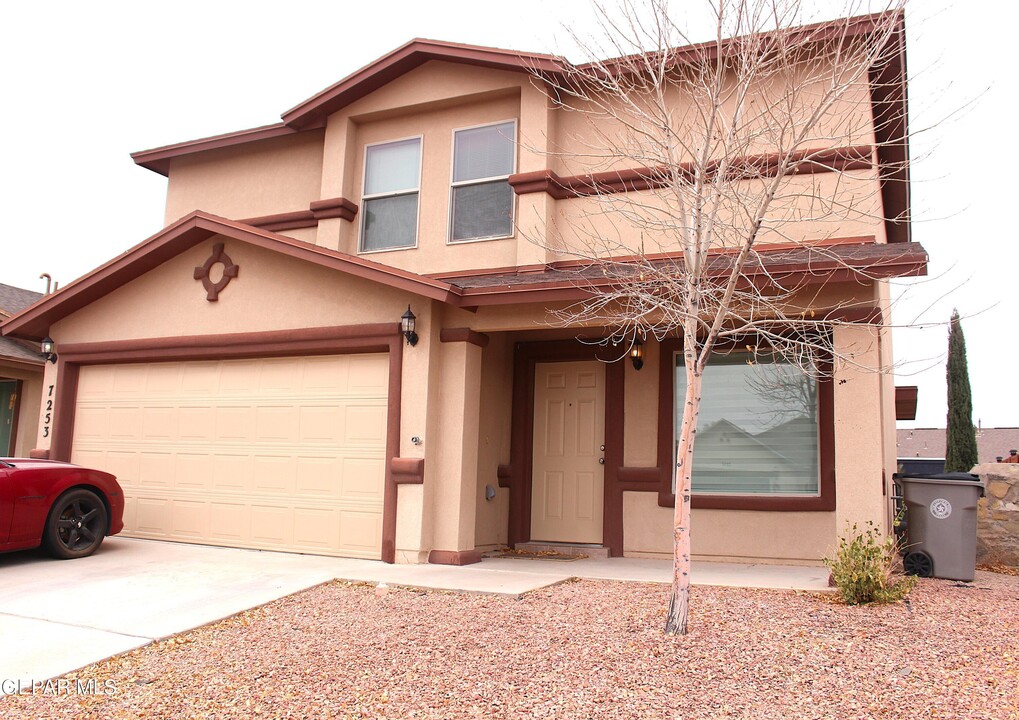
x=860, y=315
x=283, y=221
x=39, y=454
x=824, y=501
x=454, y=557
x=22, y=363
x=334, y=208
x=34, y=322
x=313, y=111
x=518, y=471
x=804, y=162
x=534, y=269
x=449, y=335
x=889, y=99
x=407, y=471
x=12, y=443
x=158, y=159
x=384, y=337
x=905, y=402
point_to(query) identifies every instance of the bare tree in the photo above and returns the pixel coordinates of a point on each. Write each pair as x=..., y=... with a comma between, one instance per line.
x=694, y=158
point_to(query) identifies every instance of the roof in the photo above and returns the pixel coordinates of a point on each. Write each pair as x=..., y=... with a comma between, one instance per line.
x=930, y=442
x=888, y=90
x=800, y=264
x=561, y=282
x=312, y=113
x=12, y=301
x=187, y=232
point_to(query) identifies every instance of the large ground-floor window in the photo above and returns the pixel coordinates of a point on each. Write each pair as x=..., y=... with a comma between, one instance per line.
x=758, y=428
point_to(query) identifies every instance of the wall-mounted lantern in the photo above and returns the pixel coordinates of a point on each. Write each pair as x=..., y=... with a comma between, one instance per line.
x=47, y=349
x=407, y=324
x=637, y=354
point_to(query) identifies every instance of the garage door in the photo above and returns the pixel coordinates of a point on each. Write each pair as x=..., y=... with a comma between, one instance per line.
x=271, y=453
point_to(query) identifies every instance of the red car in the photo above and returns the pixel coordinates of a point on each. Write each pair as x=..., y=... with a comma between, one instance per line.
x=66, y=509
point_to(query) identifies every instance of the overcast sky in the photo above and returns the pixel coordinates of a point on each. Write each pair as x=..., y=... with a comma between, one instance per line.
x=86, y=83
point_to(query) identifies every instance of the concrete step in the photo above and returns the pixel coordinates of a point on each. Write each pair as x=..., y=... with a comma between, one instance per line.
x=571, y=549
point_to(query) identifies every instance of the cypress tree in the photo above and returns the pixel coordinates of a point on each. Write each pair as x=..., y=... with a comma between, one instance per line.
x=961, y=441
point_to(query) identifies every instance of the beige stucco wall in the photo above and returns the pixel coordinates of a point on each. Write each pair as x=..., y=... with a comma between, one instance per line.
x=29, y=410
x=261, y=178
x=493, y=440
x=431, y=101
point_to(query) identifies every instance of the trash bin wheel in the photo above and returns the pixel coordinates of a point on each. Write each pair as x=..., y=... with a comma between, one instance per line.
x=918, y=563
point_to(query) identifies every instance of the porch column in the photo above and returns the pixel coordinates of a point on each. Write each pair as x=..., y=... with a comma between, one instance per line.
x=860, y=429
x=454, y=418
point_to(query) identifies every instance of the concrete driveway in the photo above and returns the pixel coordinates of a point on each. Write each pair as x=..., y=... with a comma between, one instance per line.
x=59, y=615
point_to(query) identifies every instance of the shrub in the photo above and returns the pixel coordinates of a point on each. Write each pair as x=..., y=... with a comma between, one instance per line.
x=863, y=567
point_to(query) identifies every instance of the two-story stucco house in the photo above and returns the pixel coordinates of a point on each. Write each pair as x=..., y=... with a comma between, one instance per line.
x=245, y=374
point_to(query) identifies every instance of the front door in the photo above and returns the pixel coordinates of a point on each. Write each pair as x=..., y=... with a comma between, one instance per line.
x=8, y=411
x=569, y=431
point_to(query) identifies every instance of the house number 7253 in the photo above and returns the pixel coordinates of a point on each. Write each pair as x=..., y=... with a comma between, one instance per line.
x=48, y=417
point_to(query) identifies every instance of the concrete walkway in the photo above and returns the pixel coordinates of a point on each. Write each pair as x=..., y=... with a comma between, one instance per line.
x=57, y=616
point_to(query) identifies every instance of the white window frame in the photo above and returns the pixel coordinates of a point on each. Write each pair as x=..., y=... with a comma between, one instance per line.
x=374, y=196
x=480, y=181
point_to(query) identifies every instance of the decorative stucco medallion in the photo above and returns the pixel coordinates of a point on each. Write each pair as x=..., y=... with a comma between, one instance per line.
x=204, y=272
x=941, y=508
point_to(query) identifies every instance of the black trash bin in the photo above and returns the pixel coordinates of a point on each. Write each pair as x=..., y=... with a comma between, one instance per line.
x=941, y=524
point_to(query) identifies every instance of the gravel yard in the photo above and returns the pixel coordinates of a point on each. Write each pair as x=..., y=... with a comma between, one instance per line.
x=578, y=650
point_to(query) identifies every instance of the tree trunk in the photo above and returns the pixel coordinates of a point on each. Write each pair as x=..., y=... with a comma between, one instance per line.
x=679, y=601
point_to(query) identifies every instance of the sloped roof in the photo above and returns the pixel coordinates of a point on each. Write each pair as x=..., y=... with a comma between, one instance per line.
x=567, y=281
x=187, y=232
x=12, y=301
x=930, y=442
x=312, y=113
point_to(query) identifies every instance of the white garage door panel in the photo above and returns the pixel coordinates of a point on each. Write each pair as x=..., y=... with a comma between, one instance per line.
x=280, y=453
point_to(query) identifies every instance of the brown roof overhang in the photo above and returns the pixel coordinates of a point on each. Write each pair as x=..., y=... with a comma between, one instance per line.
x=34, y=322
x=313, y=111
x=792, y=266
x=905, y=402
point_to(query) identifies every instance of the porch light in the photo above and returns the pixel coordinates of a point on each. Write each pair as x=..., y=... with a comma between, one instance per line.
x=637, y=354
x=47, y=349
x=407, y=323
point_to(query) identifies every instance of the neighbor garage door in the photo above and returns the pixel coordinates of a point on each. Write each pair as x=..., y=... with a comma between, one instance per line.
x=271, y=453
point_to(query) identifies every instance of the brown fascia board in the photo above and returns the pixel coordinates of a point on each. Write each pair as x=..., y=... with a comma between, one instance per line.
x=33, y=323
x=905, y=402
x=313, y=111
x=908, y=261
x=158, y=159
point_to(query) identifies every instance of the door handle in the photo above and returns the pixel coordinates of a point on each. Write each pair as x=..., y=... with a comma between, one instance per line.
x=601, y=461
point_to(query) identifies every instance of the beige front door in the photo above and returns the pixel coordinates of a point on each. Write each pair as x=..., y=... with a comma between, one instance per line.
x=269, y=453
x=569, y=430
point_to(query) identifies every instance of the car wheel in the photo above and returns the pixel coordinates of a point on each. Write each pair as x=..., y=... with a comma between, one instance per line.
x=76, y=525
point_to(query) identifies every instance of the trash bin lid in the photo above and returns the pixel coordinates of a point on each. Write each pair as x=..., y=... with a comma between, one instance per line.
x=969, y=477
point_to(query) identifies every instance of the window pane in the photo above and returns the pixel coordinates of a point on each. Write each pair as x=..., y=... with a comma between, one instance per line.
x=392, y=167
x=757, y=431
x=484, y=152
x=390, y=222
x=481, y=211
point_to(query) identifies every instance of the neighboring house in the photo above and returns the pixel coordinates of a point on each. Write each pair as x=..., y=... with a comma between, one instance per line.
x=21, y=370
x=243, y=371
x=993, y=444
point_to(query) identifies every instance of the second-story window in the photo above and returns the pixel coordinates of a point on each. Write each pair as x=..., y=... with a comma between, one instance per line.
x=389, y=205
x=481, y=206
